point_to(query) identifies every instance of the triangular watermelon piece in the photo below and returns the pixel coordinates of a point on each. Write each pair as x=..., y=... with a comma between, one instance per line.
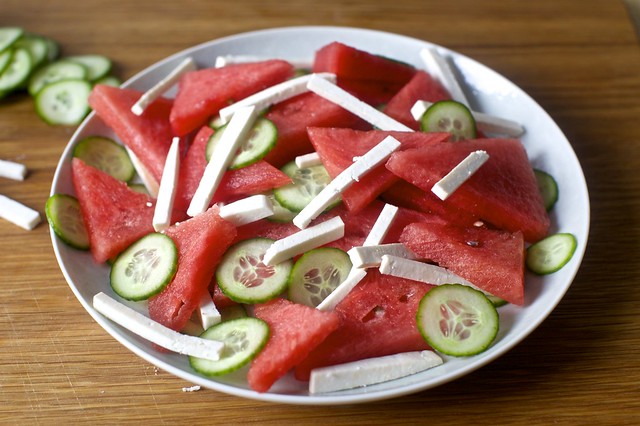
x=337, y=148
x=295, y=331
x=421, y=87
x=148, y=136
x=115, y=215
x=502, y=192
x=201, y=94
x=201, y=242
x=492, y=260
x=378, y=318
x=254, y=179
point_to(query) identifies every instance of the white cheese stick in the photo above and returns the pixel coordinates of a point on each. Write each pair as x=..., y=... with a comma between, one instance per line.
x=156, y=332
x=485, y=122
x=224, y=60
x=459, y=174
x=274, y=94
x=168, y=184
x=371, y=371
x=162, y=86
x=207, y=312
x=247, y=210
x=18, y=214
x=304, y=240
x=353, y=173
x=371, y=256
x=439, y=66
x=340, y=292
x=12, y=170
x=308, y=160
x=149, y=182
x=234, y=135
x=381, y=225
x=341, y=97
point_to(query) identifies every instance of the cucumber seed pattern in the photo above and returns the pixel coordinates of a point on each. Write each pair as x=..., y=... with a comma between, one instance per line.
x=142, y=264
x=457, y=320
x=251, y=272
x=235, y=341
x=321, y=282
x=311, y=180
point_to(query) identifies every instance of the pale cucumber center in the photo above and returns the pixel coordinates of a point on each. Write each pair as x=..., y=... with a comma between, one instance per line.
x=142, y=264
x=457, y=320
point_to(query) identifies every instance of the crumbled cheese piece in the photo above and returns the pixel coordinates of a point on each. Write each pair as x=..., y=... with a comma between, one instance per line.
x=247, y=210
x=193, y=388
x=308, y=160
x=207, y=311
x=163, y=85
x=168, y=184
x=381, y=226
x=12, y=170
x=442, y=70
x=371, y=256
x=145, y=176
x=340, y=292
x=341, y=97
x=18, y=214
x=459, y=174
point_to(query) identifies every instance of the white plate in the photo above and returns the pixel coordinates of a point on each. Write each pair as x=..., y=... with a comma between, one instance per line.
x=546, y=146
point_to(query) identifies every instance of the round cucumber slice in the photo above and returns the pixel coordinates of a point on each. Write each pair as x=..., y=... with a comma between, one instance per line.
x=107, y=155
x=243, y=339
x=316, y=274
x=548, y=188
x=243, y=277
x=307, y=183
x=449, y=116
x=139, y=187
x=8, y=36
x=17, y=72
x=280, y=213
x=261, y=140
x=37, y=47
x=457, y=320
x=109, y=80
x=55, y=71
x=97, y=66
x=145, y=268
x=551, y=254
x=64, y=102
x=65, y=218
x=5, y=59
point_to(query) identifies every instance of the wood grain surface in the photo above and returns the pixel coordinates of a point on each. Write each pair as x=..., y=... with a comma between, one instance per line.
x=579, y=59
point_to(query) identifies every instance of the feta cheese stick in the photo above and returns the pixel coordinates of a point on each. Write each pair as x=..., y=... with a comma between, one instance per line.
x=18, y=213
x=274, y=94
x=224, y=60
x=308, y=160
x=145, y=176
x=234, y=135
x=371, y=371
x=168, y=184
x=353, y=173
x=485, y=122
x=304, y=240
x=439, y=67
x=12, y=170
x=371, y=256
x=247, y=210
x=341, y=97
x=459, y=174
x=381, y=226
x=331, y=301
x=155, y=332
x=163, y=85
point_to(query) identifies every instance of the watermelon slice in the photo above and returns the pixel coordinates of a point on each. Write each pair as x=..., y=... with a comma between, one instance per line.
x=378, y=318
x=421, y=87
x=201, y=242
x=201, y=94
x=295, y=331
x=148, y=136
x=502, y=192
x=492, y=260
x=338, y=146
x=115, y=215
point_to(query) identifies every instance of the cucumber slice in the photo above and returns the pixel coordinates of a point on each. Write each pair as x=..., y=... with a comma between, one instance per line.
x=109, y=80
x=64, y=102
x=243, y=277
x=5, y=59
x=139, y=187
x=53, y=49
x=216, y=122
x=316, y=274
x=449, y=116
x=145, y=268
x=307, y=183
x=65, y=218
x=261, y=140
x=97, y=66
x=53, y=72
x=37, y=47
x=243, y=339
x=107, y=155
x=457, y=320
x=17, y=72
x=280, y=214
x=548, y=188
x=8, y=36
x=497, y=301
x=551, y=254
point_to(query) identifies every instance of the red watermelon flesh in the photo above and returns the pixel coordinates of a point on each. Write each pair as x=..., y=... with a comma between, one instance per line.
x=254, y=179
x=378, y=318
x=502, y=192
x=295, y=331
x=492, y=260
x=421, y=87
x=148, y=135
x=374, y=93
x=201, y=242
x=292, y=118
x=338, y=146
x=115, y=215
x=201, y=94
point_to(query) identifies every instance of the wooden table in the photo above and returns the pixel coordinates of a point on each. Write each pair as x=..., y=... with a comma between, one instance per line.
x=579, y=58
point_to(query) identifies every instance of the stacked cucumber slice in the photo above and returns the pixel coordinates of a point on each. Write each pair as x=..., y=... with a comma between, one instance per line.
x=31, y=63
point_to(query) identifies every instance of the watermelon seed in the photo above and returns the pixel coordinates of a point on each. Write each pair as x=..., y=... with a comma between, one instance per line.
x=473, y=243
x=376, y=312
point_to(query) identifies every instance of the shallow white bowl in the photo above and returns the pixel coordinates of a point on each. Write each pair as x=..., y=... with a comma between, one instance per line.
x=547, y=147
